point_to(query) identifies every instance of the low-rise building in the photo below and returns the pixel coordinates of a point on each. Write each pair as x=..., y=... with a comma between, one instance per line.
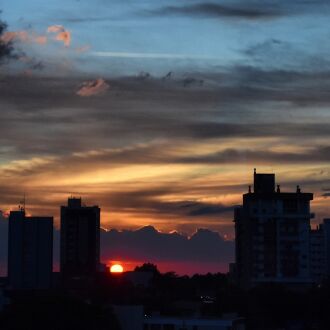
x=132, y=317
x=178, y=323
x=317, y=254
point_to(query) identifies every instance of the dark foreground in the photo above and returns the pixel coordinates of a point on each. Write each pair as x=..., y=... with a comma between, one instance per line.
x=89, y=306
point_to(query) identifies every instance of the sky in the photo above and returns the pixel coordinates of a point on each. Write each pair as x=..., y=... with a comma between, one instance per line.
x=158, y=111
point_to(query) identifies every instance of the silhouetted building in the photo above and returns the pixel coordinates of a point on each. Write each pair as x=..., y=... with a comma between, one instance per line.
x=320, y=251
x=193, y=323
x=133, y=317
x=317, y=254
x=326, y=229
x=4, y=301
x=80, y=239
x=30, y=251
x=273, y=235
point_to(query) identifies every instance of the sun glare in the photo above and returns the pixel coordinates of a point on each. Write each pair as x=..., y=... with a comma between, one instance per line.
x=116, y=268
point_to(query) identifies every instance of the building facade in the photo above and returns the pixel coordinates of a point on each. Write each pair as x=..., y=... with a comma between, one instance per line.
x=133, y=317
x=80, y=239
x=318, y=254
x=272, y=235
x=326, y=229
x=30, y=251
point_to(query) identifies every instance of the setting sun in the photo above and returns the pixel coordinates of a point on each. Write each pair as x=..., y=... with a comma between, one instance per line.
x=116, y=268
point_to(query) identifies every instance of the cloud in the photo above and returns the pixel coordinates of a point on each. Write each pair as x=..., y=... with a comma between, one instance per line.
x=253, y=10
x=215, y=10
x=61, y=34
x=23, y=36
x=11, y=36
x=148, y=244
x=55, y=29
x=156, y=56
x=41, y=40
x=92, y=88
x=288, y=56
x=151, y=201
x=31, y=58
x=161, y=111
x=146, y=148
x=318, y=154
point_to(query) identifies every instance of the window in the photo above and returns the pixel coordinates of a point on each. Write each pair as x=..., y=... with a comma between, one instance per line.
x=290, y=206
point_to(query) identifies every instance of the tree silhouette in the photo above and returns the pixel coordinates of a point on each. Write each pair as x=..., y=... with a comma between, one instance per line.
x=6, y=48
x=147, y=267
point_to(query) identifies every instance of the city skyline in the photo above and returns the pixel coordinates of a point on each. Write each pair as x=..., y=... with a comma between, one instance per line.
x=203, y=252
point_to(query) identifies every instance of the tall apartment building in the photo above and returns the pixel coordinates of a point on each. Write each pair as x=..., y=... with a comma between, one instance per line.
x=30, y=251
x=272, y=235
x=80, y=239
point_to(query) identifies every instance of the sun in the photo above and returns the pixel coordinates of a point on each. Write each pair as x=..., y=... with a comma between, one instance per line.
x=116, y=268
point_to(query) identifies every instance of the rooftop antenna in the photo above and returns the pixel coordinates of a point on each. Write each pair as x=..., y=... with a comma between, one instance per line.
x=22, y=203
x=24, y=200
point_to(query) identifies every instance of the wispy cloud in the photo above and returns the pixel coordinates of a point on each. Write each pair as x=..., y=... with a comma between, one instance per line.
x=153, y=55
x=155, y=152
x=216, y=10
x=252, y=10
x=94, y=87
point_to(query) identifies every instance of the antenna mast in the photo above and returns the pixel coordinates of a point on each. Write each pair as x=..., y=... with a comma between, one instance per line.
x=22, y=203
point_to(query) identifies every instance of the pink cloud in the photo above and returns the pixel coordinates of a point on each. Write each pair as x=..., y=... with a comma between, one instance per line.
x=94, y=87
x=41, y=40
x=58, y=31
x=61, y=34
x=65, y=37
x=23, y=36
x=14, y=35
x=55, y=29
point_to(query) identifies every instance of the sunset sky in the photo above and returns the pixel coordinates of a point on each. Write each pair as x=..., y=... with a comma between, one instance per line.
x=158, y=111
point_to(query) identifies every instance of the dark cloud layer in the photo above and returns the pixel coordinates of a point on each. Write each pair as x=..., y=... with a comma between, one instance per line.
x=160, y=110
x=321, y=154
x=226, y=121
x=244, y=10
x=147, y=244
x=216, y=10
x=145, y=201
